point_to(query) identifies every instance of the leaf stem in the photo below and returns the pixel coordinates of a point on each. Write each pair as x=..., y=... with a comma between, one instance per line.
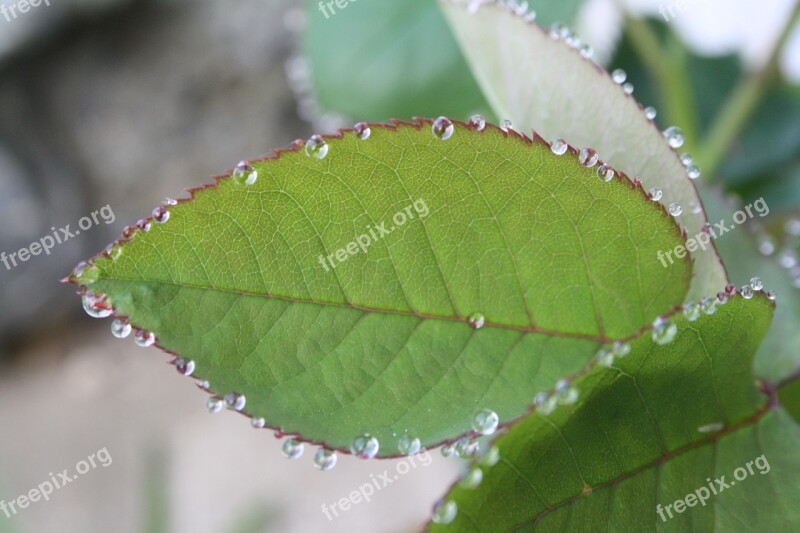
x=742, y=103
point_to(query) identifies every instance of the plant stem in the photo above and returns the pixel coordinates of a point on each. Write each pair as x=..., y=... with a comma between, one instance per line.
x=742, y=103
x=668, y=68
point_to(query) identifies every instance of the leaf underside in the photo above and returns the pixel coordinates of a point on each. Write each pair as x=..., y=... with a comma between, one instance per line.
x=558, y=261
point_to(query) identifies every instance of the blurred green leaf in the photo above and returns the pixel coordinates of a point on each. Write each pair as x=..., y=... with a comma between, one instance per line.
x=378, y=60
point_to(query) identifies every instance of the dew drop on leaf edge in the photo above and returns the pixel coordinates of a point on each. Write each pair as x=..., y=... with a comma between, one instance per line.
x=325, y=459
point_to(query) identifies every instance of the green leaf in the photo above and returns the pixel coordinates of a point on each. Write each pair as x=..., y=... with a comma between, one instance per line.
x=640, y=436
x=558, y=261
x=382, y=60
x=541, y=83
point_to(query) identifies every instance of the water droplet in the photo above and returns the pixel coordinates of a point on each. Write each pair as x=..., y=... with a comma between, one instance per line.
x=160, y=214
x=324, y=459
x=143, y=225
x=472, y=478
x=621, y=349
x=655, y=194
x=202, y=384
x=362, y=131
x=691, y=310
x=708, y=305
x=476, y=321
x=557, y=30
x=588, y=157
x=113, y=252
x=722, y=298
x=444, y=512
x=466, y=448
x=86, y=273
x=674, y=136
x=144, y=339
x=491, y=457
x=730, y=289
x=185, y=367
x=619, y=76
x=605, y=173
x=235, y=401
x=540, y=399
x=549, y=406
x=711, y=428
x=95, y=306
x=506, y=125
x=485, y=422
x=693, y=171
x=627, y=88
x=650, y=113
x=792, y=227
x=120, y=328
x=365, y=447
x=559, y=146
x=605, y=358
x=788, y=259
x=442, y=128
x=766, y=246
x=686, y=159
x=586, y=51
x=477, y=122
x=214, y=404
x=244, y=174
x=448, y=450
x=316, y=147
x=772, y=295
x=746, y=291
x=408, y=445
x=258, y=422
x=565, y=394
x=675, y=209
x=664, y=331
x=756, y=284
x=292, y=449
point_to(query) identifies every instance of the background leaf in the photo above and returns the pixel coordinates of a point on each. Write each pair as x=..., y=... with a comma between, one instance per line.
x=607, y=461
x=558, y=261
x=382, y=60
